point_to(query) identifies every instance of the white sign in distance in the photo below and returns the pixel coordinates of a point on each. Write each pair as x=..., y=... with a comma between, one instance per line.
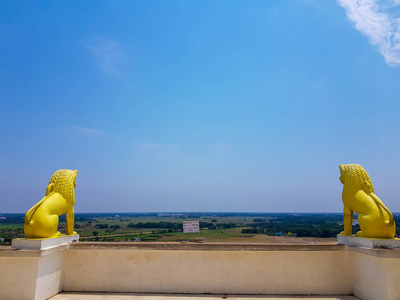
x=191, y=226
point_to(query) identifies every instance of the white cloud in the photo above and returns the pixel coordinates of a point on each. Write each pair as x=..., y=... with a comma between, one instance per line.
x=107, y=53
x=380, y=21
x=87, y=130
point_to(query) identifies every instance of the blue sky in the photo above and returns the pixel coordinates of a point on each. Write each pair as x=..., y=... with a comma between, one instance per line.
x=199, y=105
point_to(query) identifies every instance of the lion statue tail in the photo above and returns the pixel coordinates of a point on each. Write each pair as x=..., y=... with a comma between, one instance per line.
x=378, y=201
x=30, y=213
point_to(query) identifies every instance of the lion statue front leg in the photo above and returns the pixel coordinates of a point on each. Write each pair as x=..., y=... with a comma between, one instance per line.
x=348, y=215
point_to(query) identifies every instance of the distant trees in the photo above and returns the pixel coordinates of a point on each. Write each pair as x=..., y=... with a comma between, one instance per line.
x=9, y=233
x=95, y=233
x=179, y=226
x=321, y=225
x=258, y=220
x=166, y=225
x=226, y=225
x=207, y=225
x=12, y=219
x=101, y=226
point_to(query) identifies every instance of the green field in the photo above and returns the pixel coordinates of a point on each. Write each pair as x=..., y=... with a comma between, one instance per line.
x=214, y=227
x=156, y=234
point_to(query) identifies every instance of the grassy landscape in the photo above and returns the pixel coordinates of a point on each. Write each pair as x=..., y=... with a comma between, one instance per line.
x=214, y=227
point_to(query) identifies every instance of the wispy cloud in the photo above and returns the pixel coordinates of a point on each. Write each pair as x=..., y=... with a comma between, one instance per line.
x=380, y=21
x=107, y=53
x=87, y=130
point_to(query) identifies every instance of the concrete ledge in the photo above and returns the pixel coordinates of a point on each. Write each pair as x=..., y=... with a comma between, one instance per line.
x=42, y=244
x=205, y=246
x=33, y=253
x=138, y=296
x=379, y=253
x=368, y=242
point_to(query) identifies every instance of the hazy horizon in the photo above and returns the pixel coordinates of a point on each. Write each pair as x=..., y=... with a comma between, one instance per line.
x=190, y=212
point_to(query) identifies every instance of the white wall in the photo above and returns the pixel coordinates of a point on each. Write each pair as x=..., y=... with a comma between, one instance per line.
x=207, y=271
x=369, y=274
x=31, y=274
x=49, y=276
x=376, y=276
x=18, y=277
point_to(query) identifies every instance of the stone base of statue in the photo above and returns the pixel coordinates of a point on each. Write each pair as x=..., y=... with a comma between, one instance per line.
x=41, y=244
x=368, y=242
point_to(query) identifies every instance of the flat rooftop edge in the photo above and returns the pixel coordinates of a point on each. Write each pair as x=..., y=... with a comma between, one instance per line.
x=194, y=246
x=176, y=246
x=44, y=243
x=368, y=242
x=141, y=296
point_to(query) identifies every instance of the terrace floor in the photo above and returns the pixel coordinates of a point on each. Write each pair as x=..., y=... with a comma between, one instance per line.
x=123, y=296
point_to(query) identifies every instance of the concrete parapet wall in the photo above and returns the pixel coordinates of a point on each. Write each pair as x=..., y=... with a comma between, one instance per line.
x=31, y=274
x=18, y=277
x=375, y=273
x=369, y=274
x=207, y=268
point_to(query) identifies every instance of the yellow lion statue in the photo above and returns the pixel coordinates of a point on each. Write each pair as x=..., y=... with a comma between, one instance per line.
x=41, y=221
x=375, y=219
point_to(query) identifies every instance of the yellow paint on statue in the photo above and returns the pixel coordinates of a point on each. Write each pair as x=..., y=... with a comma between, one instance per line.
x=374, y=218
x=41, y=221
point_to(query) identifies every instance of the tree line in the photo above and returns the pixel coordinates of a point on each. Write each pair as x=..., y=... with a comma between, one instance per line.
x=179, y=226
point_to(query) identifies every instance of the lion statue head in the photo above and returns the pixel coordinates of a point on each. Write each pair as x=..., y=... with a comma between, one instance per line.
x=64, y=183
x=354, y=178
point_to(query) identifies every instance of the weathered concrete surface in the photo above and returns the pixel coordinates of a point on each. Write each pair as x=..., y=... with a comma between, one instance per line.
x=190, y=246
x=374, y=277
x=368, y=243
x=18, y=277
x=199, y=271
x=122, y=296
x=207, y=268
x=31, y=274
x=39, y=244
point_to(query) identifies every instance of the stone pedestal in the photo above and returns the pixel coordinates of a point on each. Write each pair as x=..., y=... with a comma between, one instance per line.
x=41, y=244
x=368, y=242
x=31, y=273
